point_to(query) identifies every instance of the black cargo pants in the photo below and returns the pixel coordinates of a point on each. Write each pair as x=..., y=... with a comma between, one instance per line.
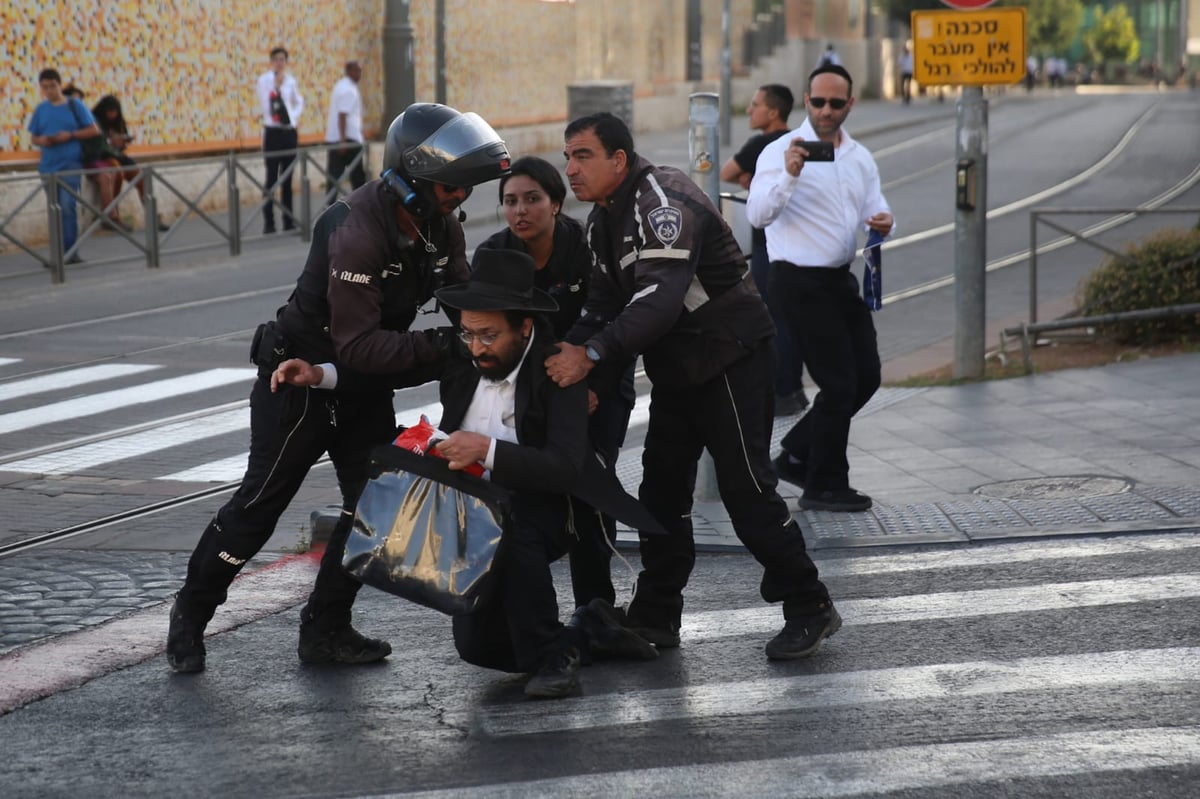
x=289, y=431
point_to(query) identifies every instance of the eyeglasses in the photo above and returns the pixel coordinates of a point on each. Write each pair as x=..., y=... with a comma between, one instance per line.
x=486, y=339
x=836, y=103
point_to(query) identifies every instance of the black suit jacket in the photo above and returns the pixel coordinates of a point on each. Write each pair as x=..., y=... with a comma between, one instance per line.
x=546, y=463
x=553, y=457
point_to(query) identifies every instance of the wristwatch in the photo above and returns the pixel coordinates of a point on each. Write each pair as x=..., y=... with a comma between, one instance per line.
x=592, y=355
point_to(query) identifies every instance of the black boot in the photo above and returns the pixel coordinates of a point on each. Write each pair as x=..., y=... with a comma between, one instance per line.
x=606, y=636
x=558, y=676
x=337, y=643
x=185, y=642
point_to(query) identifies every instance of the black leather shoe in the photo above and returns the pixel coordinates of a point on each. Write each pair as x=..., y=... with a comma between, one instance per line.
x=185, y=643
x=607, y=637
x=339, y=645
x=842, y=500
x=802, y=636
x=794, y=473
x=557, y=677
x=662, y=635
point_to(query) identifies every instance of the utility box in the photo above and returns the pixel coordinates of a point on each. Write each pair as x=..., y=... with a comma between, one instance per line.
x=594, y=96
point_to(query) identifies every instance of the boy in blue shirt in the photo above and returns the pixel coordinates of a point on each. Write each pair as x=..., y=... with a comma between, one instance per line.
x=57, y=125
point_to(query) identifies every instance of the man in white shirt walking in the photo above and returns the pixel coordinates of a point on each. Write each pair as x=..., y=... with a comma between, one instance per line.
x=344, y=133
x=812, y=213
x=279, y=106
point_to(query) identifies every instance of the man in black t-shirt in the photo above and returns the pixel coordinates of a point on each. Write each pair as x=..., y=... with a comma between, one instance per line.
x=768, y=112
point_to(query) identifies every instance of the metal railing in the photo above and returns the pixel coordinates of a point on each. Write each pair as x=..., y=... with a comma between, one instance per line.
x=1028, y=331
x=191, y=183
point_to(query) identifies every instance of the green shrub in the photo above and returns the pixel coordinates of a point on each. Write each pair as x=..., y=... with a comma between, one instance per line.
x=1164, y=270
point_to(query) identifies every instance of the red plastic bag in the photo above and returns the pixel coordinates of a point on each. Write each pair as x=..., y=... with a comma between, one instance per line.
x=420, y=439
x=416, y=438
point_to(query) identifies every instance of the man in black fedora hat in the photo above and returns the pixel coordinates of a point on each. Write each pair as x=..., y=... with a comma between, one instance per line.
x=503, y=412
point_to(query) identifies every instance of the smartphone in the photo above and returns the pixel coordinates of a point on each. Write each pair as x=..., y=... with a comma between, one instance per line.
x=817, y=150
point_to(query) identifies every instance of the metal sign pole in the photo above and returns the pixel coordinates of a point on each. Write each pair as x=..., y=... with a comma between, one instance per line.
x=703, y=150
x=970, y=234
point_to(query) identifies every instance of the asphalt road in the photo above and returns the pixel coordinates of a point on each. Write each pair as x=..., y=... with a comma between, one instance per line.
x=1062, y=668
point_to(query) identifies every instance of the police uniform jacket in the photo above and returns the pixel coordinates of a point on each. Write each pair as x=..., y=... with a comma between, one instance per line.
x=362, y=286
x=669, y=281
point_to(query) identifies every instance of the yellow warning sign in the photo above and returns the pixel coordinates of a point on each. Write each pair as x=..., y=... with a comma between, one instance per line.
x=969, y=48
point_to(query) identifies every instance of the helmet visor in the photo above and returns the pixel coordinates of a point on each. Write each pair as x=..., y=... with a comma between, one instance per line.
x=456, y=139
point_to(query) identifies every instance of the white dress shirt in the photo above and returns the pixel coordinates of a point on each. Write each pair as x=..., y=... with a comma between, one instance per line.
x=287, y=90
x=347, y=100
x=814, y=219
x=493, y=410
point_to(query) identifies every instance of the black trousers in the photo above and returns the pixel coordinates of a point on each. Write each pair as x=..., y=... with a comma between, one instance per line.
x=827, y=314
x=276, y=139
x=518, y=628
x=289, y=431
x=337, y=158
x=595, y=532
x=730, y=416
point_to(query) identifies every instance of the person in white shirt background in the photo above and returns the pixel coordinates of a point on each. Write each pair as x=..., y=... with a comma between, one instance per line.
x=344, y=133
x=280, y=105
x=813, y=213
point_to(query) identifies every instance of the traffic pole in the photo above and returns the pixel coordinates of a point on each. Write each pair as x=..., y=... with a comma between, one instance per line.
x=970, y=234
x=703, y=150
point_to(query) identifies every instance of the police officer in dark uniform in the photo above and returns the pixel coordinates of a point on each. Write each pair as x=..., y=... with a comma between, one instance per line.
x=672, y=285
x=377, y=256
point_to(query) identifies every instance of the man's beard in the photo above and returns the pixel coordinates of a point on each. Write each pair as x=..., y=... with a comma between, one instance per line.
x=495, y=368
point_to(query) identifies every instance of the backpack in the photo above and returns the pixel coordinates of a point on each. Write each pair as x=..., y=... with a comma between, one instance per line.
x=95, y=148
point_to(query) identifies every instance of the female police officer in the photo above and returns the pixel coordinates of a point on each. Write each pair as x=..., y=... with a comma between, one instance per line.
x=376, y=257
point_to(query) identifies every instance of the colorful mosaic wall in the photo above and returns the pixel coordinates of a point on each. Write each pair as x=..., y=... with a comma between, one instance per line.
x=184, y=70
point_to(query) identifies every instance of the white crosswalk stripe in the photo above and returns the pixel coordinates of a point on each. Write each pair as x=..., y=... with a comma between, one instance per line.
x=7, y=361
x=912, y=683
x=92, y=404
x=74, y=459
x=70, y=378
x=862, y=772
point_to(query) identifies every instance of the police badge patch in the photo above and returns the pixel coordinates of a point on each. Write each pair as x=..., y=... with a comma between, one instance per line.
x=667, y=224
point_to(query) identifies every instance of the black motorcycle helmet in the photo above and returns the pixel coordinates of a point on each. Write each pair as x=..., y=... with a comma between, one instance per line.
x=432, y=143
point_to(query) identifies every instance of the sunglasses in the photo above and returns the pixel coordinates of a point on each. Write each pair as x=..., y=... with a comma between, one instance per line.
x=836, y=103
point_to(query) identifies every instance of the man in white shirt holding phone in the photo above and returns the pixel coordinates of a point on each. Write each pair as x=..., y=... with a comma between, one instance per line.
x=813, y=211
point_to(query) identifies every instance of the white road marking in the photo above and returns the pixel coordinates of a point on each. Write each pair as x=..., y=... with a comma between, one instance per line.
x=716, y=624
x=1000, y=554
x=7, y=361
x=75, y=459
x=806, y=691
x=70, y=379
x=225, y=470
x=120, y=398
x=913, y=768
x=232, y=468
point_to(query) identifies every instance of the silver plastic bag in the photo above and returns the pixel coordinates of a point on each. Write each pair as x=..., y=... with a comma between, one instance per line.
x=426, y=533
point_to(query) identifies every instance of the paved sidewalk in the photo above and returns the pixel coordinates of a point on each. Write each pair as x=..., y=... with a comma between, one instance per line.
x=1109, y=449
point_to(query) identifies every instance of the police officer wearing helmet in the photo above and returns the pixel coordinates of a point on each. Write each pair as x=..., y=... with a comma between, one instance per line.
x=376, y=257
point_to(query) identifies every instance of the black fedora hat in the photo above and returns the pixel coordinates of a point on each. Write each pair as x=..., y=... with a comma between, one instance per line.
x=501, y=280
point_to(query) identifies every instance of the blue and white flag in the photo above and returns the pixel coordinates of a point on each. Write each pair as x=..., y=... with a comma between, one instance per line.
x=872, y=283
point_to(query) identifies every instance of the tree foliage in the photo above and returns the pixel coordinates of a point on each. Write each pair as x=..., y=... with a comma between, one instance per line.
x=1113, y=37
x=1052, y=24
